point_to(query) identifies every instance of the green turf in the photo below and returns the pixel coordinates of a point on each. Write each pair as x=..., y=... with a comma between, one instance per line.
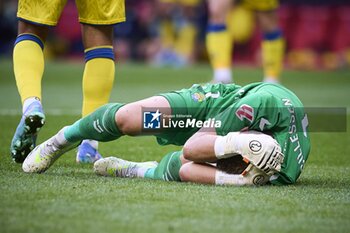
x=70, y=198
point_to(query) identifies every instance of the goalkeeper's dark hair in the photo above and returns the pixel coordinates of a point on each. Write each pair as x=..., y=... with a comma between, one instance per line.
x=232, y=165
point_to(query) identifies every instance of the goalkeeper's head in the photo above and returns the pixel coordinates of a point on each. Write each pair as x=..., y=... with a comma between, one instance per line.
x=237, y=165
x=248, y=152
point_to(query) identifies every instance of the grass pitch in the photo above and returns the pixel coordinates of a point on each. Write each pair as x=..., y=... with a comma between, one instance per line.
x=70, y=198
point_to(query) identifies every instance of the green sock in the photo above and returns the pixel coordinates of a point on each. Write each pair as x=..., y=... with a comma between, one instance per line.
x=99, y=125
x=168, y=168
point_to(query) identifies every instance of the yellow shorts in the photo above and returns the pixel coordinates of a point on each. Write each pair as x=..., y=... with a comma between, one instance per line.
x=184, y=2
x=48, y=12
x=261, y=5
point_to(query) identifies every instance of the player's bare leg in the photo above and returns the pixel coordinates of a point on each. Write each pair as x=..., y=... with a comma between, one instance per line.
x=39, y=30
x=98, y=79
x=97, y=35
x=268, y=20
x=28, y=73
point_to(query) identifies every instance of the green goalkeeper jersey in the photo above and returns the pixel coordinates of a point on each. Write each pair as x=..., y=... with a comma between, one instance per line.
x=269, y=108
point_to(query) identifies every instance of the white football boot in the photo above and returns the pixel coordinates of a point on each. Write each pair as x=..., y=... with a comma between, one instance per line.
x=45, y=154
x=112, y=166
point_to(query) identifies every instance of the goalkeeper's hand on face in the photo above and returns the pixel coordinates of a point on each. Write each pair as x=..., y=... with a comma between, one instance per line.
x=258, y=148
x=240, y=172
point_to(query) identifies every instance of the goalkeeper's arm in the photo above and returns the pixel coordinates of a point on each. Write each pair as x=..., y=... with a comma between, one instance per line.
x=260, y=149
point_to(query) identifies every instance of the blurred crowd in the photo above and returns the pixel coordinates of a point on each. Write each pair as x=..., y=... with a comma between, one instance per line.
x=317, y=33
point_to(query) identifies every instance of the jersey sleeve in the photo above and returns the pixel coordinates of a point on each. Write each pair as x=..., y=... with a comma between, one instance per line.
x=257, y=111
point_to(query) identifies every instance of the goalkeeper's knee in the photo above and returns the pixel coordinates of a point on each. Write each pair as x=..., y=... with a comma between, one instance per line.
x=129, y=119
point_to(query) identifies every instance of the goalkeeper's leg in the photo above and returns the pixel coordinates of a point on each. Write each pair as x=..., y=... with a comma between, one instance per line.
x=99, y=125
x=174, y=167
x=167, y=169
x=112, y=121
x=107, y=123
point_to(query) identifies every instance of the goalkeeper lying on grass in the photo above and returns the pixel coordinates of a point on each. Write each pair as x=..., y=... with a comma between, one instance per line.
x=258, y=132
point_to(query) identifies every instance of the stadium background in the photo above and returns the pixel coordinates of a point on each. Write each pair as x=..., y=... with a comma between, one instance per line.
x=317, y=33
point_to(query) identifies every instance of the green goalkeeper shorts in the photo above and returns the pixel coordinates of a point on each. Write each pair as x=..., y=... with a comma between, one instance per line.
x=198, y=103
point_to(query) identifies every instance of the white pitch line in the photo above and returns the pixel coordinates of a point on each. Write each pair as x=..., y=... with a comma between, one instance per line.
x=52, y=111
x=59, y=111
